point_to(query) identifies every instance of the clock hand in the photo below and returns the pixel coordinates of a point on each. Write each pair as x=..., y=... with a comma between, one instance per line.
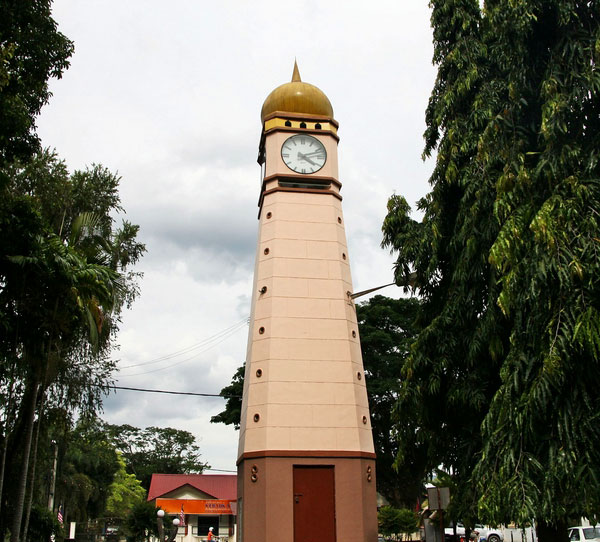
x=304, y=157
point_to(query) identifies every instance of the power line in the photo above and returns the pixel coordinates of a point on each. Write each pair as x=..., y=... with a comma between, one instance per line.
x=216, y=339
x=200, y=344
x=145, y=390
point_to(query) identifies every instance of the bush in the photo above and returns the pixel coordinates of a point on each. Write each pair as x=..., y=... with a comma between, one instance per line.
x=393, y=521
x=42, y=524
x=141, y=522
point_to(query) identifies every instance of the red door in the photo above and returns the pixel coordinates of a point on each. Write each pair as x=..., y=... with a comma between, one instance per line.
x=314, y=504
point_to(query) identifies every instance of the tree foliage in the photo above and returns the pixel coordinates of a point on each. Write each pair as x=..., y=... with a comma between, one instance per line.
x=64, y=280
x=124, y=493
x=233, y=402
x=92, y=483
x=43, y=524
x=504, y=374
x=87, y=471
x=141, y=522
x=32, y=51
x=64, y=265
x=387, y=329
x=156, y=450
x=393, y=521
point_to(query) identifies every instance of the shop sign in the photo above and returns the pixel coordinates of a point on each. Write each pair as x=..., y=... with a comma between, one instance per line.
x=196, y=506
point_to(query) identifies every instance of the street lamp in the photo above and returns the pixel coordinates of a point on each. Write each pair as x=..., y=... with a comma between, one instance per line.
x=161, y=528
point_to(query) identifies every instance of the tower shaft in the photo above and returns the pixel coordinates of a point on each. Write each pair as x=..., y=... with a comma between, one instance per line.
x=306, y=462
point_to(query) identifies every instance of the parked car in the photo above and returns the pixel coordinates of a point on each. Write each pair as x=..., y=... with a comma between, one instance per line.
x=584, y=534
x=480, y=532
x=460, y=533
x=489, y=533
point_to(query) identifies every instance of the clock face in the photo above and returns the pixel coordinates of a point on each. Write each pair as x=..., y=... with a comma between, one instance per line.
x=303, y=153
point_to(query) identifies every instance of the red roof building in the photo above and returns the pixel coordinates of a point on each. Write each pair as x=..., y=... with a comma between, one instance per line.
x=200, y=500
x=218, y=486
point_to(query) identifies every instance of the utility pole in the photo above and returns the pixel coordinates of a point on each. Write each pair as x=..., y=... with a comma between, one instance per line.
x=53, y=477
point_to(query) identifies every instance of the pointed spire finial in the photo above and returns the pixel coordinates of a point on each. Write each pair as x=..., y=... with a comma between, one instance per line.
x=296, y=74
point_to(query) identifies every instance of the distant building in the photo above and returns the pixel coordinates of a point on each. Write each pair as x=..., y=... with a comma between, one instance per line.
x=204, y=501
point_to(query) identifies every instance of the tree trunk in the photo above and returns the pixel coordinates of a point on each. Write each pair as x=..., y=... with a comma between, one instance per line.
x=3, y=464
x=32, y=469
x=551, y=532
x=10, y=409
x=15, y=532
x=53, y=477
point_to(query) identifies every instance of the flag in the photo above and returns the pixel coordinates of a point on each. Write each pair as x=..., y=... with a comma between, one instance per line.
x=182, y=517
x=60, y=515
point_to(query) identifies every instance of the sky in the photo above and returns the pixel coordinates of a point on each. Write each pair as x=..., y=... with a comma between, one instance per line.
x=168, y=95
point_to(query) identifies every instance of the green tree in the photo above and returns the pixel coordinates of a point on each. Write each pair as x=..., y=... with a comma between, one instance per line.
x=156, y=450
x=408, y=522
x=55, y=268
x=61, y=293
x=504, y=371
x=233, y=402
x=43, y=524
x=141, y=522
x=125, y=491
x=64, y=284
x=387, y=329
x=31, y=52
x=393, y=521
x=87, y=471
x=387, y=520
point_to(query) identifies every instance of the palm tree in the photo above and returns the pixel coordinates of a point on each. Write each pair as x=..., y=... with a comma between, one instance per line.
x=64, y=276
x=68, y=299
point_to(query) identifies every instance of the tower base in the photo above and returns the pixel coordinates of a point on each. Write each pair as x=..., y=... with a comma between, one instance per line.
x=308, y=496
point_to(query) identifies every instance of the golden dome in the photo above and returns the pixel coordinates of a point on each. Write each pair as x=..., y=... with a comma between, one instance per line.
x=297, y=97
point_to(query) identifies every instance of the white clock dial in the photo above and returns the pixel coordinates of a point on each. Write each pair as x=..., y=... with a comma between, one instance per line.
x=303, y=153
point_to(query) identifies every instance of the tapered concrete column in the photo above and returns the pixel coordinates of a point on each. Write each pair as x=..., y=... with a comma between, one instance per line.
x=306, y=455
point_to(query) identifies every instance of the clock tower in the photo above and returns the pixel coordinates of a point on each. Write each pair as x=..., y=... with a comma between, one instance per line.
x=306, y=462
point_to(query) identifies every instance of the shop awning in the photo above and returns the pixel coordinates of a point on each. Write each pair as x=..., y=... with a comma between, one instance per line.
x=197, y=506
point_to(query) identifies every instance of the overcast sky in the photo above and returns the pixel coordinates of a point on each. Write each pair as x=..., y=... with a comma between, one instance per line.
x=168, y=94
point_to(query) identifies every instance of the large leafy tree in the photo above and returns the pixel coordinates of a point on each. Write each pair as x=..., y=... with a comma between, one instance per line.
x=156, y=450
x=505, y=370
x=65, y=279
x=88, y=468
x=387, y=329
x=63, y=264
x=124, y=493
x=59, y=290
x=32, y=50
